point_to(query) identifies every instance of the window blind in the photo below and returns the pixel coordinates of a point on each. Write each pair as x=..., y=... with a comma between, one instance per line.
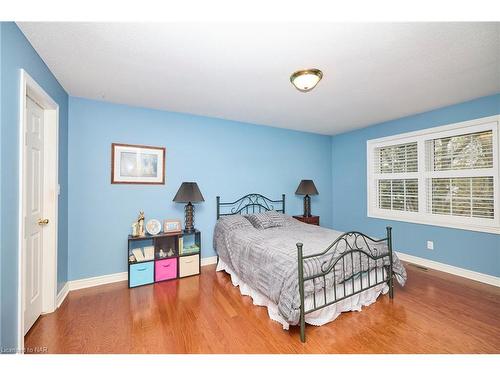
x=397, y=159
x=463, y=196
x=468, y=151
x=397, y=194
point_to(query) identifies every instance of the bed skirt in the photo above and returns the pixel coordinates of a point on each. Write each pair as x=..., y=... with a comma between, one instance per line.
x=319, y=317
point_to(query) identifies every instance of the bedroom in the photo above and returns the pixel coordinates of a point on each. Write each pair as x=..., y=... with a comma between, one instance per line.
x=250, y=188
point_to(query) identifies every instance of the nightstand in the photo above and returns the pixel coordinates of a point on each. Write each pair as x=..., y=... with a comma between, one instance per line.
x=314, y=220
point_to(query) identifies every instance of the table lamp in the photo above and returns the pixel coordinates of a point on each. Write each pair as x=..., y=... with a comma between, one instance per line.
x=307, y=188
x=189, y=193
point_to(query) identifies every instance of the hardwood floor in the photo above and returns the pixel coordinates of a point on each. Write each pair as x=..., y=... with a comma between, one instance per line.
x=434, y=313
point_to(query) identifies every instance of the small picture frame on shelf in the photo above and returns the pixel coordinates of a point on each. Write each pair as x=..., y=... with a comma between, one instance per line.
x=172, y=226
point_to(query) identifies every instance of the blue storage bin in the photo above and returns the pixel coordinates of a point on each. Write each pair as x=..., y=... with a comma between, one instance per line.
x=140, y=274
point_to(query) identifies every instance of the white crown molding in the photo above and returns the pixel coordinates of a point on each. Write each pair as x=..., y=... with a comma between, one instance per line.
x=477, y=276
x=107, y=279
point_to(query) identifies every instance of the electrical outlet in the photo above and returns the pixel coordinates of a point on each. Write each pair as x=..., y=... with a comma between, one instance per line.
x=430, y=245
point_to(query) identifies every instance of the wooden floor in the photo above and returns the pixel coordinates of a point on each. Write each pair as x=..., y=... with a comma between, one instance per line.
x=434, y=313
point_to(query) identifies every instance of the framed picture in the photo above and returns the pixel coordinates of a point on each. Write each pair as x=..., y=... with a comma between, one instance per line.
x=134, y=164
x=172, y=226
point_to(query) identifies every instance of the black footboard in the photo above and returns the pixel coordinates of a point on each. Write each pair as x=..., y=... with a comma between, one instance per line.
x=359, y=257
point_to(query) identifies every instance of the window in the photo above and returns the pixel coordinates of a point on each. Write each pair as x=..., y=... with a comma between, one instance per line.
x=447, y=176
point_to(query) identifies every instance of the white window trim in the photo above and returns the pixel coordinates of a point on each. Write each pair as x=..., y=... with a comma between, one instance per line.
x=423, y=217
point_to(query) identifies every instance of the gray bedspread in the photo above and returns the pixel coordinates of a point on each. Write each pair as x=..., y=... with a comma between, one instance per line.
x=266, y=259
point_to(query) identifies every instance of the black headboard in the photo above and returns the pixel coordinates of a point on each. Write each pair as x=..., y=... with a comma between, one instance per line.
x=250, y=204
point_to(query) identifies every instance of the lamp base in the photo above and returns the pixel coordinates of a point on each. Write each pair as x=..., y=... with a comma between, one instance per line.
x=189, y=217
x=307, y=206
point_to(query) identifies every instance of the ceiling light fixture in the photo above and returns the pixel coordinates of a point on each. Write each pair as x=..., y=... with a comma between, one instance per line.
x=307, y=79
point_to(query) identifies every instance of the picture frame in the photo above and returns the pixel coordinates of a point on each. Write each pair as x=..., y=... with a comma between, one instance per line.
x=137, y=164
x=172, y=226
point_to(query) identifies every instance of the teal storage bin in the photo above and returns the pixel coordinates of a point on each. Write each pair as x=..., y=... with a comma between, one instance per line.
x=140, y=274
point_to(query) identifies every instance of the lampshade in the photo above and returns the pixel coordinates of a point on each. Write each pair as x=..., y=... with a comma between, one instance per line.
x=188, y=192
x=306, y=80
x=306, y=187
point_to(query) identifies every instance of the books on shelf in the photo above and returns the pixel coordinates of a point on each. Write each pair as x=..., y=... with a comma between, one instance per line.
x=149, y=252
x=189, y=245
x=191, y=249
x=139, y=256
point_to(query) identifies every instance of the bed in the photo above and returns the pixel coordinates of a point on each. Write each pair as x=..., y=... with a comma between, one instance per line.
x=301, y=272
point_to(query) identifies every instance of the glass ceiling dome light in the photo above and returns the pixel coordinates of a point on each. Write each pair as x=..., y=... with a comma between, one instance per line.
x=307, y=79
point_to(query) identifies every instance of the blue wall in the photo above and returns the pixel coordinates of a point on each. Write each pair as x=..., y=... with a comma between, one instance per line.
x=1, y=28
x=225, y=158
x=467, y=249
x=17, y=53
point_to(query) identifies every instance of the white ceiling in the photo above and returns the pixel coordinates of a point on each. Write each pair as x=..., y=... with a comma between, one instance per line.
x=372, y=71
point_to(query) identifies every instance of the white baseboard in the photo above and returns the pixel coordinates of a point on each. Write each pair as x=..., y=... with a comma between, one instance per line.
x=477, y=276
x=61, y=296
x=98, y=280
x=107, y=279
x=209, y=260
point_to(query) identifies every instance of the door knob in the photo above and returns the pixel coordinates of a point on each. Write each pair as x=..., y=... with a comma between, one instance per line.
x=43, y=221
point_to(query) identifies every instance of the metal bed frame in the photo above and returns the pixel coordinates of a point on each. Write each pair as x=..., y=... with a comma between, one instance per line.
x=356, y=247
x=250, y=204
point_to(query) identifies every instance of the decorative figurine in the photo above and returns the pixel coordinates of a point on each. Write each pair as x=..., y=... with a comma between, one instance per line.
x=131, y=258
x=170, y=252
x=162, y=254
x=135, y=229
x=140, y=223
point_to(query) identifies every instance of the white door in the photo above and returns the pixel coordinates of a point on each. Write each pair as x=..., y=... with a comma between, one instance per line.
x=34, y=221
